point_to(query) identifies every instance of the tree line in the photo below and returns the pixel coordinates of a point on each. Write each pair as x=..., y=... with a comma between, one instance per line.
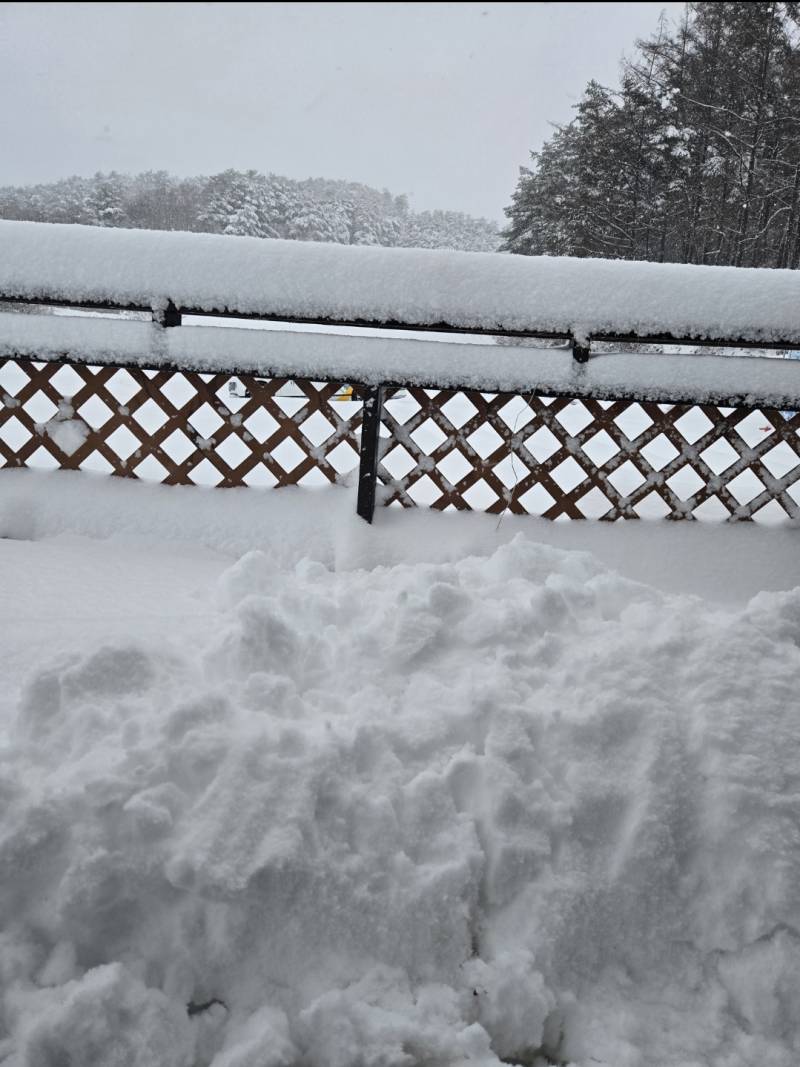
x=693, y=158
x=248, y=203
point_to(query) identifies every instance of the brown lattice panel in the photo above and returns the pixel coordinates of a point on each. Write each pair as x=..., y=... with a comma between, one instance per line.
x=562, y=458
x=556, y=457
x=175, y=427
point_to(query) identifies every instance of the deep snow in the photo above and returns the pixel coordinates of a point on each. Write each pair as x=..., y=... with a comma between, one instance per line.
x=429, y=792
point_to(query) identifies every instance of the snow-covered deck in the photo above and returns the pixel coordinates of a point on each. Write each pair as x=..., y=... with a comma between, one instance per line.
x=282, y=788
x=430, y=791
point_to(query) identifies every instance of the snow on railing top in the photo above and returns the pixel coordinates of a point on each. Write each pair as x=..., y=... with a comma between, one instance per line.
x=412, y=287
x=371, y=360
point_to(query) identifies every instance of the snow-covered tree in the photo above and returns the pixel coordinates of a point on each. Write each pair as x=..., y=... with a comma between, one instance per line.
x=449, y=229
x=248, y=203
x=694, y=157
x=239, y=203
x=106, y=202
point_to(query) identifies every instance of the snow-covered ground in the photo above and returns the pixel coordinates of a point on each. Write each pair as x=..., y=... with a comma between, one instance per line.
x=283, y=789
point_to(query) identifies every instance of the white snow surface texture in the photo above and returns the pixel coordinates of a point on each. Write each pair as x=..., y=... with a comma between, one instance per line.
x=512, y=808
x=373, y=360
x=416, y=286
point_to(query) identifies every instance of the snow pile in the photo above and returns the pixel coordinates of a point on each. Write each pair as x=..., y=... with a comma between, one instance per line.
x=510, y=807
x=469, y=290
x=147, y=533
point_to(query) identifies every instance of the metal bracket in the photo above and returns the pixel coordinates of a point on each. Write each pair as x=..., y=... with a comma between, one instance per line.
x=580, y=353
x=168, y=316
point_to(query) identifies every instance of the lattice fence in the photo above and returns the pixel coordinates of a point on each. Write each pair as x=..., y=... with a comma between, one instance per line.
x=555, y=457
x=176, y=427
x=575, y=459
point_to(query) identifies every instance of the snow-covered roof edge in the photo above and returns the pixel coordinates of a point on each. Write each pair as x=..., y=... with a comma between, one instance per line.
x=416, y=287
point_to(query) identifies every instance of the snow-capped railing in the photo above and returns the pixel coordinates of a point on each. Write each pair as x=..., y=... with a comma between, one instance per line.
x=569, y=431
x=406, y=288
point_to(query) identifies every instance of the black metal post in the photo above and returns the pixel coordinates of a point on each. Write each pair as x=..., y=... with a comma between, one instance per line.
x=580, y=353
x=170, y=316
x=370, y=435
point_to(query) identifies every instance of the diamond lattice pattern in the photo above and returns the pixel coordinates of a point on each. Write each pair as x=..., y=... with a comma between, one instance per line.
x=176, y=427
x=563, y=458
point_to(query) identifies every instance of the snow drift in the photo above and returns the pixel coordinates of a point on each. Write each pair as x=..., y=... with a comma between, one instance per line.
x=509, y=808
x=468, y=290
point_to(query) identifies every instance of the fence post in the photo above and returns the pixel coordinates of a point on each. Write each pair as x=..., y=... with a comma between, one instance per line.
x=368, y=466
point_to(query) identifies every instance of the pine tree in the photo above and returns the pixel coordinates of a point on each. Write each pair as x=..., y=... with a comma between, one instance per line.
x=106, y=202
x=694, y=158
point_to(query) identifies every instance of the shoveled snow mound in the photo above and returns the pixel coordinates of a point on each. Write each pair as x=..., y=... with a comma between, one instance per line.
x=502, y=808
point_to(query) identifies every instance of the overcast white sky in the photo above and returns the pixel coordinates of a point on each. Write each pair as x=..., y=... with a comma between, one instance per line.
x=440, y=101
